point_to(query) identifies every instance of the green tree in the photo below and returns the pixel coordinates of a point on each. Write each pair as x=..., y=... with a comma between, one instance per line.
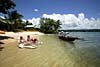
x=15, y=19
x=12, y=17
x=5, y=5
x=48, y=25
x=3, y=25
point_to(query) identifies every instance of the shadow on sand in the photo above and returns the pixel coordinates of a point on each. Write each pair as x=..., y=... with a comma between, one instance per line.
x=5, y=37
x=1, y=43
x=1, y=48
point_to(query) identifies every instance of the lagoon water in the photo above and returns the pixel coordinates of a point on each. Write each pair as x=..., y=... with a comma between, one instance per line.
x=55, y=52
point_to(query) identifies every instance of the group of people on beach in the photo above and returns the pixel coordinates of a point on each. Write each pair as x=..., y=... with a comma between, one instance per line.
x=28, y=42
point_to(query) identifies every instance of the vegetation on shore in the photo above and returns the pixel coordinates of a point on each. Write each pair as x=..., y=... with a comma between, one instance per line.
x=12, y=20
x=48, y=25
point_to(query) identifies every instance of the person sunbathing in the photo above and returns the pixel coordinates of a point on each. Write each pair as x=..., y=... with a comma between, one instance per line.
x=31, y=40
x=34, y=41
x=28, y=38
x=25, y=44
x=21, y=42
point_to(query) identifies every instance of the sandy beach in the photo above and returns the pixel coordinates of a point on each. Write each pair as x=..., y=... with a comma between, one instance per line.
x=12, y=37
x=24, y=34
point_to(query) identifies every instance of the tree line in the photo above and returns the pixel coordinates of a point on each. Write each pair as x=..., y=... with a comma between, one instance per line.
x=12, y=20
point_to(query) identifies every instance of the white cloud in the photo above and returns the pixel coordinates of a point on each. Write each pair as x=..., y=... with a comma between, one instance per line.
x=81, y=16
x=70, y=21
x=36, y=10
x=34, y=21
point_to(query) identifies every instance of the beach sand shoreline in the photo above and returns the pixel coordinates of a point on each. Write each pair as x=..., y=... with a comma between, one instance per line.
x=14, y=36
x=17, y=34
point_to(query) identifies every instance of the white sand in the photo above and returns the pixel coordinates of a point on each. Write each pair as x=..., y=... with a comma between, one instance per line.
x=18, y=34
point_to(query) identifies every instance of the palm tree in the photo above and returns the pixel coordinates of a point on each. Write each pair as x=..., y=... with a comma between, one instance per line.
x=15, y=19
x=5, y=5
x=48, y=25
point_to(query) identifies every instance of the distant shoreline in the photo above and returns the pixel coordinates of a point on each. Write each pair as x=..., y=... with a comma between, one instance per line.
x=81, y=30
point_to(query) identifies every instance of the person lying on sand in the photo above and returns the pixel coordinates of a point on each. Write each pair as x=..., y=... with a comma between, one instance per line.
x=21, y=40
x=35, y=41
x=31, y=40
x=23, y=43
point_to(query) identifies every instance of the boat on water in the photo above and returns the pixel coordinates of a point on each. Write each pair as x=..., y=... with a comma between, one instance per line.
x=64, y=36
x=68, y=38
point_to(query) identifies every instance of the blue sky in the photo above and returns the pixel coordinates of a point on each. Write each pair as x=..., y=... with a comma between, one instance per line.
x=36, y=8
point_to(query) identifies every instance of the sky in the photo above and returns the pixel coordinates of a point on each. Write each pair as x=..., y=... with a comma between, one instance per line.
x=73, y=14
x=36, y=8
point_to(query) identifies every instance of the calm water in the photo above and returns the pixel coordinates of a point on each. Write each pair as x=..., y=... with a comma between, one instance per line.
x=55, y=52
